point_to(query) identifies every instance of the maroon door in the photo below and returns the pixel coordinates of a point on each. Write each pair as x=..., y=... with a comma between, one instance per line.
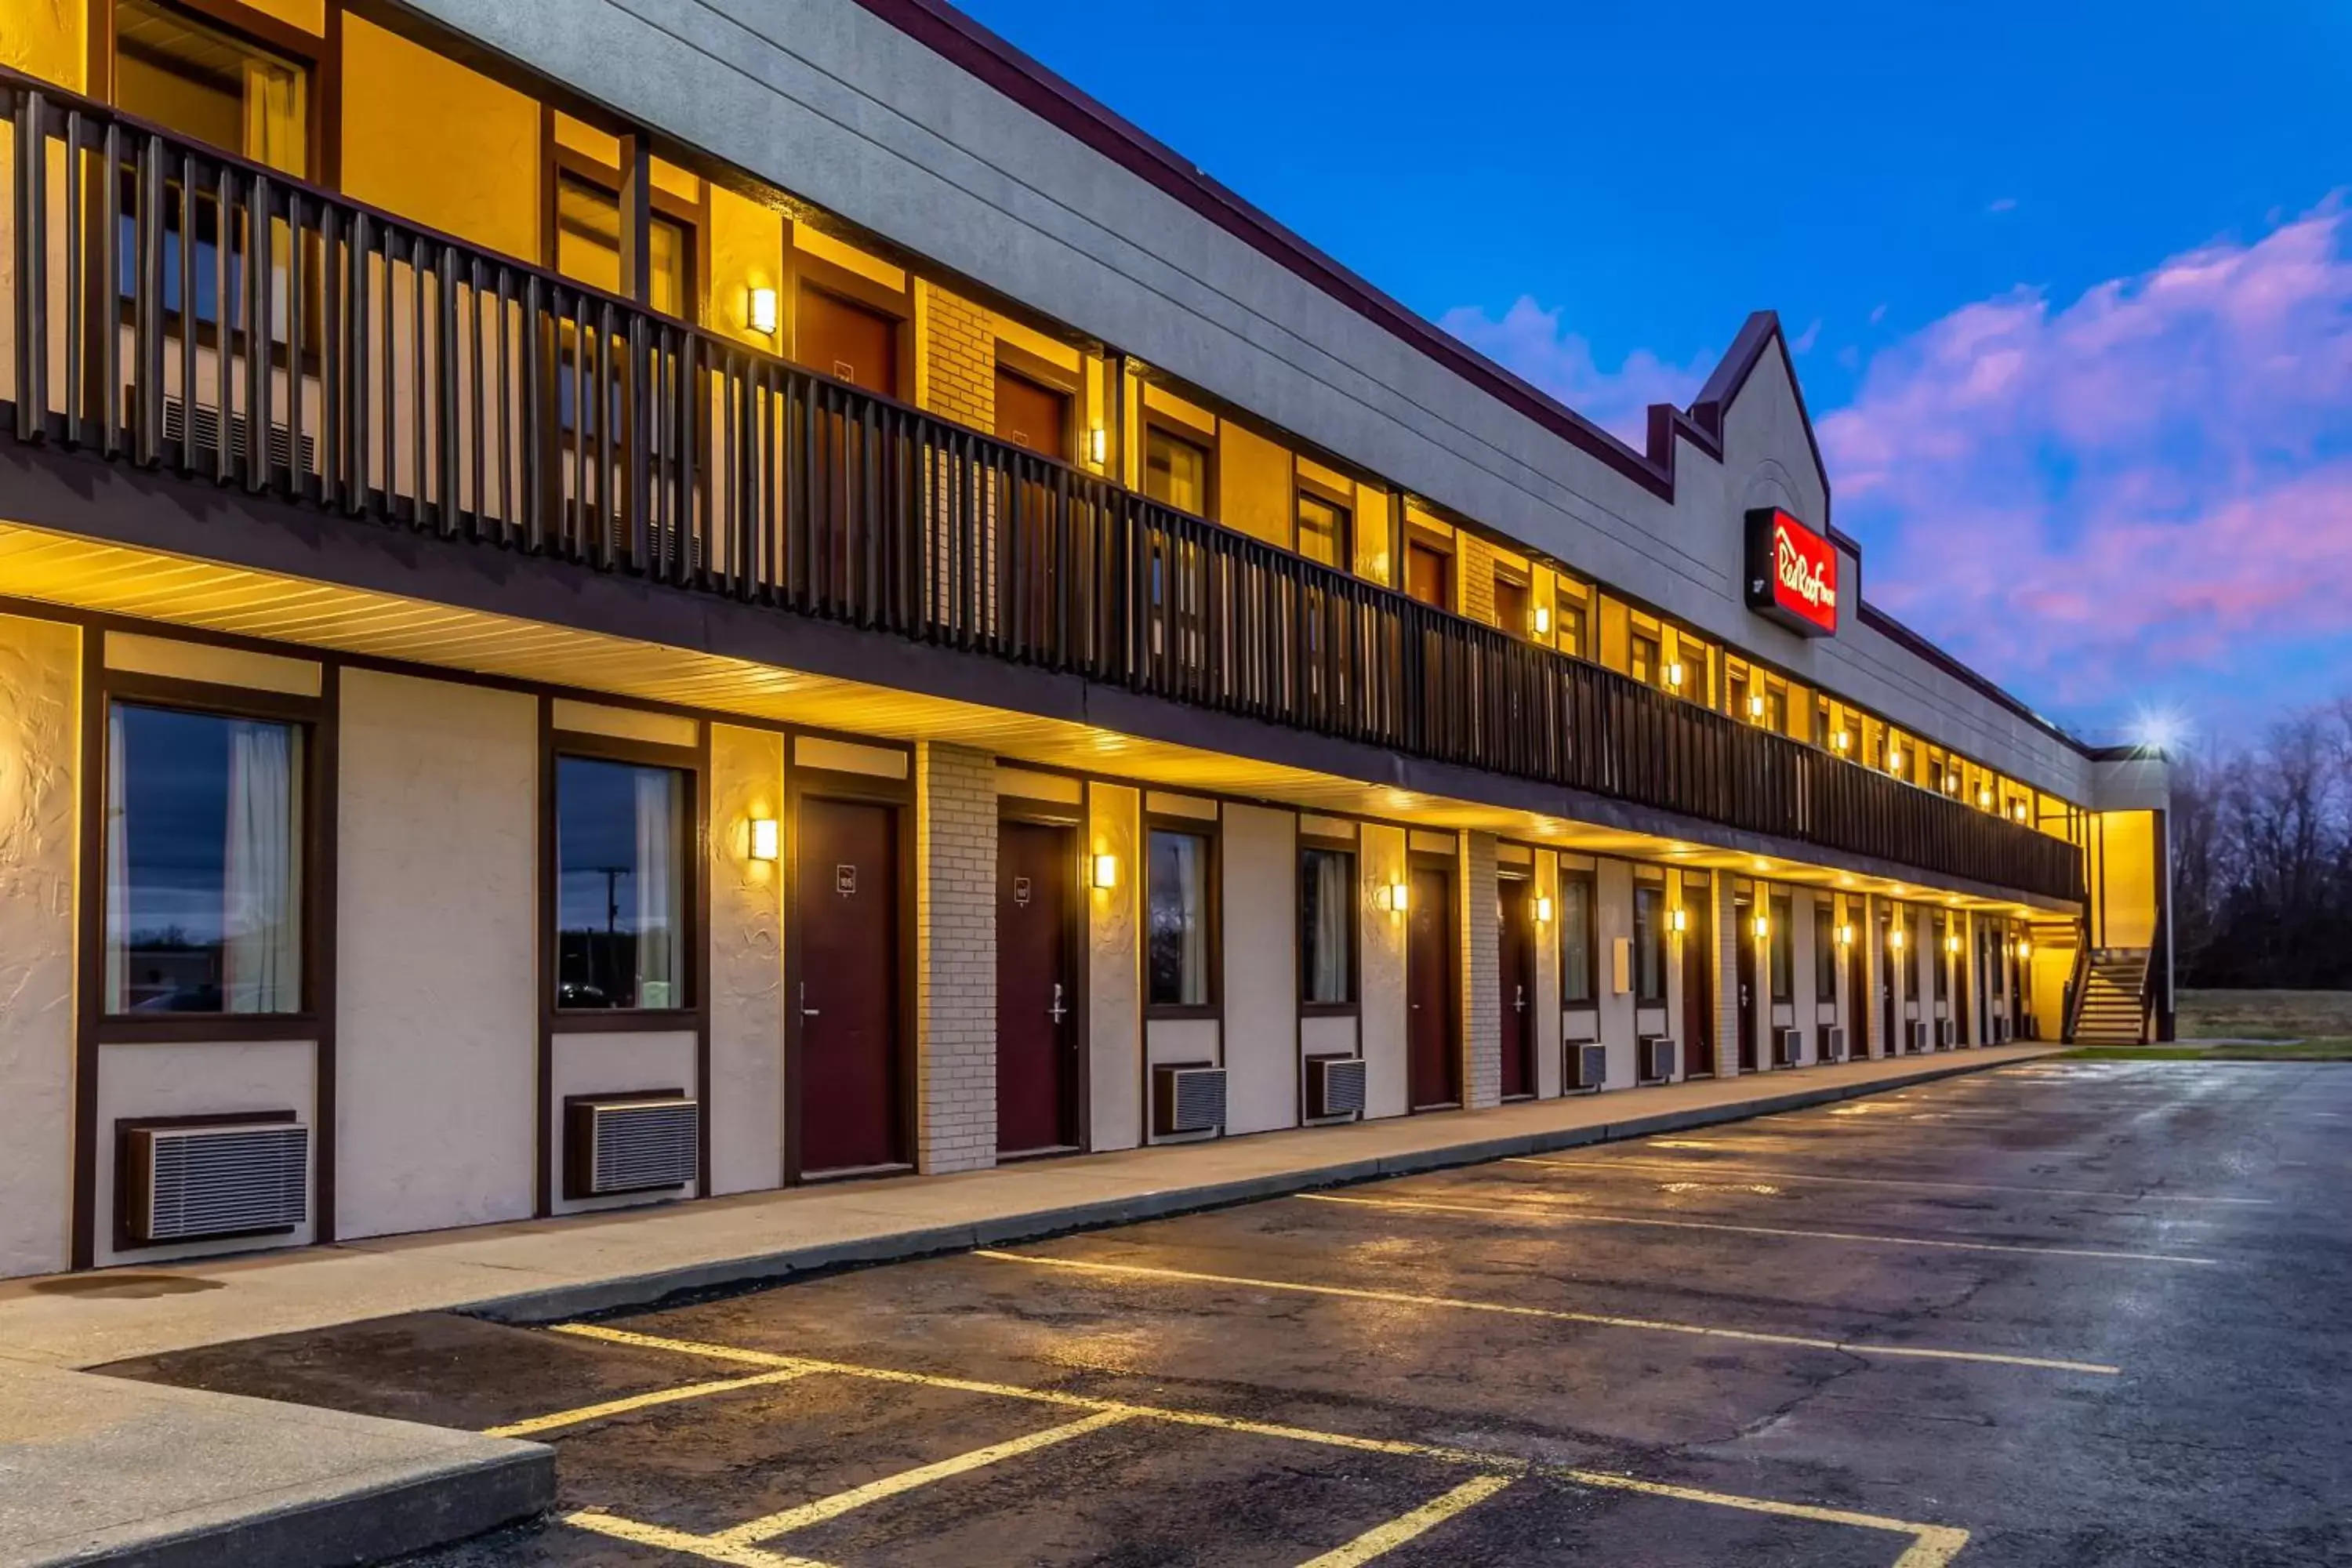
x=848, y=340
x=1746, y=912
x=1433, y=1078
x=1698, y=982
x=846, y=909
x=1036, y=988
x=1516, y=952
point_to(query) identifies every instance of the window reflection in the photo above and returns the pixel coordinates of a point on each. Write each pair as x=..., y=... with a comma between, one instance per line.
x=620, y=846
x=1178, y=891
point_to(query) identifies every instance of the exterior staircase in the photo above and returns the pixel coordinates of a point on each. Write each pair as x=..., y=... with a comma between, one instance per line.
x=2112, y=1009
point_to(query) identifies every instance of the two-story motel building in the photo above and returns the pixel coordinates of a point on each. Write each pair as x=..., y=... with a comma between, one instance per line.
x=617, y=600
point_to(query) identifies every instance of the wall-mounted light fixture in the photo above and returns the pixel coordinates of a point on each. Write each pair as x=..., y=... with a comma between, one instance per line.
x=1845, y=935
x=1952, y=945
x=1984, y=798
x=1104, y=873
x=1893, y=760
x=1543, y=621
x=1895, y=938
x=2017, y=811
x=1394, y=897
x=1543, y=909
x=1097, y=444
x=1678, y=920
x=1674, y=675
x=767, y=838
x=1951, y=783
x=1842, y=741
x=759, y=310
x=2024, y=948
x=1755, y=706
x=1763, y=927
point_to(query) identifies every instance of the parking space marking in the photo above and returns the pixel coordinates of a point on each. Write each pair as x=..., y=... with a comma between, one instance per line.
x=1683, y=1167
x=1381, y=1539
x=1552, y=1210
x=1600, y=1319
x=839, y=1503
x=1932, y=1545
x=562, y=1418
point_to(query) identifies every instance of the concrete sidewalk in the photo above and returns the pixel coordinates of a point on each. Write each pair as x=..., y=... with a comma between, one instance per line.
x=95, y=1470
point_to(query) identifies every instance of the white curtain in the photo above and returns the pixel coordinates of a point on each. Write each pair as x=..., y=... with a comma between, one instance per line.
x=261, y=956
x=657, y=879
x=1334, y=908
x=118, y=871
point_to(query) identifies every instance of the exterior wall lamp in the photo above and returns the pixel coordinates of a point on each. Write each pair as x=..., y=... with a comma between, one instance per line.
x=1678, y=920
x=1674, y=675
x=1895, y=938
x=1543, y=909
x=1845, y=935
x=1763, y=927
x=1543, y=622
x=1104, y=873
x=2017, y=811
x=1099, y=446
x=1952, y=945
x=1893, y=760
x=767, y=838
x=759, y=310
x=1394, y=897
x=1984, y=798
x=2024, y=948
x=1756, y=707
x=1842, y=741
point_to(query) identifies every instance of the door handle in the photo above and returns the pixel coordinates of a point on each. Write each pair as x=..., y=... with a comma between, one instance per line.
x=1519, y=1001
x=1057, y=1010
x=806, y=1011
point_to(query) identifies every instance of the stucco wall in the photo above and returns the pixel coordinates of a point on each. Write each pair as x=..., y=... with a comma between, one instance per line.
x=436, y=1019
x=1261, y=935
x=40, y=749
x=1114, y=973
x=745, y=1107
x=1380, y=987
x=608, y=1063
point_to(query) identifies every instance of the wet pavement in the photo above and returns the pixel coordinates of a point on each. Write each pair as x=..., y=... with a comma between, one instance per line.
x=2063, y=1313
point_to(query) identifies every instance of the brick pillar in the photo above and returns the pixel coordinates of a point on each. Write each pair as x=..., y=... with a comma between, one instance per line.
x=960, y=359
x=1482, y=975
x=955, y=957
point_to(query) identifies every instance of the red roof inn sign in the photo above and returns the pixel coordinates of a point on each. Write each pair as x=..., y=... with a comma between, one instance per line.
x=1792, y=574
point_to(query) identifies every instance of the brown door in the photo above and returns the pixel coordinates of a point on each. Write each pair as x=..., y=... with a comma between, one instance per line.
x=1698, y=983
x=1747, y=981
x=1511, y=606
x=1031, y=415
x=1427, y=577
x=1887, y=959
x=1036, y=989
x=845, y=906
x=1516, y=955
x=1432, y=1074
x=848, y=340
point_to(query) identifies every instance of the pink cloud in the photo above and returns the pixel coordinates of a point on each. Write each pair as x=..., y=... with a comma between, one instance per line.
x=2153, y=482
x=1533, y=341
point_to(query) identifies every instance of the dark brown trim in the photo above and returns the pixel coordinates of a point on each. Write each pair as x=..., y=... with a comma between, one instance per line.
x=90, y=711
x=1303, y=844
x=1591, y=882
x=542, y=1099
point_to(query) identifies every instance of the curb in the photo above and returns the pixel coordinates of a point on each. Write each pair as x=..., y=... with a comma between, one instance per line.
x=660, y=1286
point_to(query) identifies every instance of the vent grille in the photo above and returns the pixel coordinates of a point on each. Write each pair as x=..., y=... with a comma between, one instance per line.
x=1788, y=1044
x=231, y=1178
x=1833, y=1043
x=1588, y=1066
x=1948, y=1034
x=1188, y=1099
x=1335, y=1086
x=1657, y=1058
x=1916, y=1040
x=206, y=436
x=631, y=1143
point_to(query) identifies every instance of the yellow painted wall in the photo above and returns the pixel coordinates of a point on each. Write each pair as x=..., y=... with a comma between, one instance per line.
x=1373, y=530
x=427, y=139
x=1615, y=633
x=747, y=252
x=309, y=15
x=47, y=39
x=1253, y=484
x=2125, y=897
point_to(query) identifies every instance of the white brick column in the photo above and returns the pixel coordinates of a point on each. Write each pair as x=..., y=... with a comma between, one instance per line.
x=955, y=957
x=1482, y=975
x=1728, y=938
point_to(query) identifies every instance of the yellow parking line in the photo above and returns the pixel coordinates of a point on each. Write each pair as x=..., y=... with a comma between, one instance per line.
x=538, y=1424
x=711, y=1549
x=1720, y=1168
x=1581, y=1216
x=1600, y=1319
x=1384, y=1539
x=839, y=1503
x=1933, y=1545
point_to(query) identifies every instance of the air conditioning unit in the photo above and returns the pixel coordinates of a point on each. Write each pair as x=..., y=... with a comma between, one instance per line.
x=1584, y=1067
x=1187, y=1097
x=1948, y=1034
x=1657, y=1058
x=2003, y=1031
x=1915, y=1037
x=1788, y=1045
x=643, y=1142
x=199, y=1180
x=1335, y=1087
x=1833, y=1043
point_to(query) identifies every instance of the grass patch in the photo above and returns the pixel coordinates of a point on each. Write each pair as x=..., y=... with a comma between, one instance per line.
x=2263, y=1015
x=2317, y=1048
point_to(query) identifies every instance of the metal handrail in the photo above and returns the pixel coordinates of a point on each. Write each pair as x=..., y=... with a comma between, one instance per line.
x=350, y=360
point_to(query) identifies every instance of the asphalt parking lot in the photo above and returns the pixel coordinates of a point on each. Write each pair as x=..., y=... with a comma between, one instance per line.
x=2063, y=1313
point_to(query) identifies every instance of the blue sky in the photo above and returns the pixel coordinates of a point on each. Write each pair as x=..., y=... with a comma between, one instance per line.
x=2072, y=283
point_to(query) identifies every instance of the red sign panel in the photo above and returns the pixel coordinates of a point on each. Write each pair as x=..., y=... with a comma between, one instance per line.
x=1792, y=574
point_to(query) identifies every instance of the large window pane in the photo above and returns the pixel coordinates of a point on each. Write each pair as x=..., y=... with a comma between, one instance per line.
x=1575, y=940
x=1322, y=531
x=210, y=85
x=621, y=844
x=1824, y=952
x=1327, y=926
x=1176, y=471
x=203, y=875
x=1780, y=940
x=1179, y=897
x=1649, y=944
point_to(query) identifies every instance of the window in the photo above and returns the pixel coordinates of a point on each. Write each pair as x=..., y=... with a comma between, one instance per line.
x=1649, y=944
x=211, y=86
x=1825, y=965
x=1942, y=959
x=1647, y=668
x=1322, y=531
x=1511, y=604
x=1326, y=927
x=1576, y=942
x=1178, y=893
x=622, y=844
x=1779, y=941
x=1175, y=471
x=1571, y=617
x=588, y=244
x=1776, y=708
x=203, y=863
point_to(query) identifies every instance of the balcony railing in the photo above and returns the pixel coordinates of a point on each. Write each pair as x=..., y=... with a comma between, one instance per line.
x=180, y=310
